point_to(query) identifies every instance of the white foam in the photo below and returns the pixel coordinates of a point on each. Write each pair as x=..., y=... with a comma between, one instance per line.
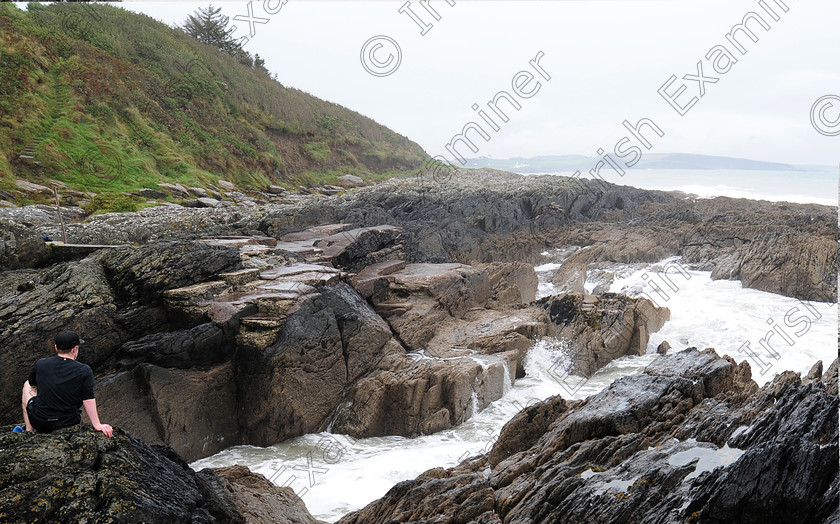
x=724, y=315
x=550, y=266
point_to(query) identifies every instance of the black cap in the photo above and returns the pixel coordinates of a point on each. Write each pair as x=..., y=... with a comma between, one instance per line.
x=67, y=340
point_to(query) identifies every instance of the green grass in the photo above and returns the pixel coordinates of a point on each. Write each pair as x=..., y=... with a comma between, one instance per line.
x=119, y=102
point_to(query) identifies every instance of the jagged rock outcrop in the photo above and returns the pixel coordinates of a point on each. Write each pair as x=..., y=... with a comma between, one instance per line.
x=437, y=307
x=599, y=329
x=333, y=361
x=77, y=474
x=692, y=439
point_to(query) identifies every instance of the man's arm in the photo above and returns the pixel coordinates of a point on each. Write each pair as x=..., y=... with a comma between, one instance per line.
x=28, y=393
x=90, y=409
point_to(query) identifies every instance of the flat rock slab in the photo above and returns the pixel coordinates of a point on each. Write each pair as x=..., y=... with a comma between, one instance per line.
x=297, y=269
x=365, y=281
x=334, y=245
x=298, y=288
x=33, y=188
x=424, y=274
x=300, y=247
x=382, y=268
x=315, y=233
x=241, y=241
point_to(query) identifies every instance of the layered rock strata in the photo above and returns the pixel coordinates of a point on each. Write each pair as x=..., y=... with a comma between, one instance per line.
x=231, y=339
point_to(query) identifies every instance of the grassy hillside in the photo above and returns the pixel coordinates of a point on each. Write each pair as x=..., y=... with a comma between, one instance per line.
x=106, y=100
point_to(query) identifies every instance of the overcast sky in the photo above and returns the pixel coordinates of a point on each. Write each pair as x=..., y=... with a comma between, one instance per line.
x=601, y=62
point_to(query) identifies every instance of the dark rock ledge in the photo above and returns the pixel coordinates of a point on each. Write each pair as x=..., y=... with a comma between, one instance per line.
x=79, y=475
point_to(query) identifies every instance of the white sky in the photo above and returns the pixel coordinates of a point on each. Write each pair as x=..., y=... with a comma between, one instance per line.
x=606, y=60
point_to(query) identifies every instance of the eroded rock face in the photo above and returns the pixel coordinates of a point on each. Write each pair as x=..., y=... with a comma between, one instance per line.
x=599, y=329
x=438, y=307
x=192, y=411
x=329, y=338
x=110, y=298
x=645, y=450
x=783, y=248
x=467, y=328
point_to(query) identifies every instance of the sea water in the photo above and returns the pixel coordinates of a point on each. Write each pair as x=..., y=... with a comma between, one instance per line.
x=808, y=184
x=336, y=474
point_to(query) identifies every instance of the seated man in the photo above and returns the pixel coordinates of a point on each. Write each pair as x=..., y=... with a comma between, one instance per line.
x=64, y=386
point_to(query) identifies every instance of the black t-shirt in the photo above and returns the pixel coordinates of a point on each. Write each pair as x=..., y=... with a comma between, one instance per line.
x=63, y=384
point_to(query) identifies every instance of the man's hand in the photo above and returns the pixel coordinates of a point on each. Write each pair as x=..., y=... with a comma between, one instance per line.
x=90, y=409
x=105, y=428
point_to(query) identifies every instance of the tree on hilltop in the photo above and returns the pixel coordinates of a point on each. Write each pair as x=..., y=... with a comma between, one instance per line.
x=209, y=26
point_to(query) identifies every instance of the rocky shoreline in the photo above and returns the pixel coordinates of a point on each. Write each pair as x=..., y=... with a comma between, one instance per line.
x=692, y=439
x=486, y=215
x=397, y=309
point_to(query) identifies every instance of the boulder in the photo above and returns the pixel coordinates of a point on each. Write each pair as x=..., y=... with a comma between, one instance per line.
x=176, y=190
x=199, y=192
x=152, y=194
x=257, y=499
x=208, y=202
x=20, y=246
x=601, y=329
x=226, y=186
x=350, y=181
x=31, y=187
x=663, y=347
